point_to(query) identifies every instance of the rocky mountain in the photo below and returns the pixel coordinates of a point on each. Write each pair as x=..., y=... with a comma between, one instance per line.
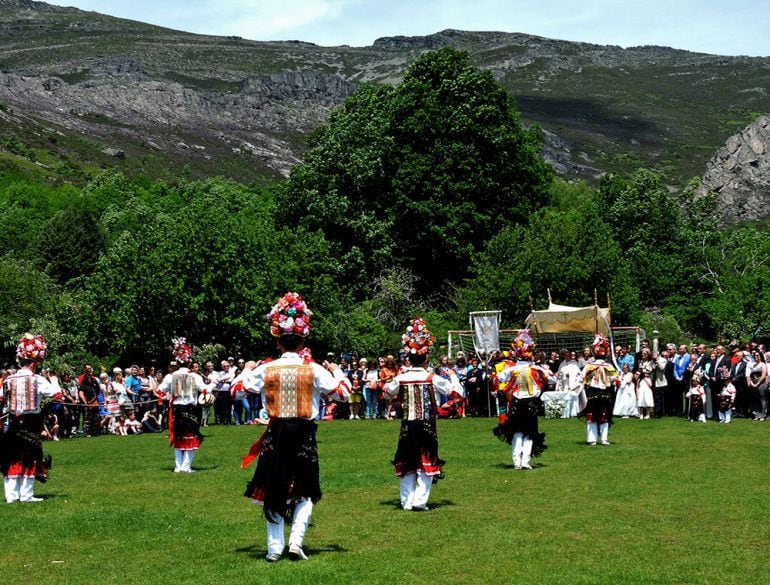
x=81, y=90
x=739, y=174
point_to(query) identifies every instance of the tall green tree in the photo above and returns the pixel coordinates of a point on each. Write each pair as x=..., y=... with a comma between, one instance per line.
x=571, y=252
x=420, y=175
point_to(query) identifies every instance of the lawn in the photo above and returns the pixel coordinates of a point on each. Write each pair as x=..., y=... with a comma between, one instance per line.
x=668, y=502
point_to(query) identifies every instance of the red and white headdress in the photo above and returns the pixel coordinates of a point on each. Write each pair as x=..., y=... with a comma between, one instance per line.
x=182, y=352
x=523, y=346
x=290, y=316
x=31, y=347
x=417, y=339
x=601, y=346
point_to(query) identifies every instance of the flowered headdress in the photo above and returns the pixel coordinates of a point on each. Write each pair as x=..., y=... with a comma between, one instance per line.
x=523, y=346
x=31, y=347
x=600, y=345
x=417, y=339
x=182, y=352
x=290, y=316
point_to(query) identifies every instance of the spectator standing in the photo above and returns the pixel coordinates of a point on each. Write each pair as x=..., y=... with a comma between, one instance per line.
x=224, y=403
x=388, y=371
x=625, y=401
x=758, y=386
x=739, y=377
x=645, y=400
x=357, y=383
x=680, y=386
x=133, y=386
x=88, y=391
x=371, y=388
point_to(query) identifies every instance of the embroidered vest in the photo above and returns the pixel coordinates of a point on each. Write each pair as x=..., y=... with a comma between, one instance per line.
x=183, y=387
x=289, y=391
x=22, y=396
x=417, y=400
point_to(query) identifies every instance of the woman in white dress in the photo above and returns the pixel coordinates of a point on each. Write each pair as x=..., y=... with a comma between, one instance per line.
x=625, y=401
x=645, y=400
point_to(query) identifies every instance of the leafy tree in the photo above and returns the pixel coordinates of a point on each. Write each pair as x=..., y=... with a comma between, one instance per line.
x=649, y=227
x=208, y=269
x=736, y=265
x=26, y=294
x=420, y=175
x=571, y=252
x=70, y=243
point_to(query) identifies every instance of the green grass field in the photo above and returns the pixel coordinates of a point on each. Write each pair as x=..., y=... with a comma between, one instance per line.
x=669, y=502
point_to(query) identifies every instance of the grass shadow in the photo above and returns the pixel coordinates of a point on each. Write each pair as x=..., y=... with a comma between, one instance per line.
x=534, y=464
x=258, y=552
x=395, y=503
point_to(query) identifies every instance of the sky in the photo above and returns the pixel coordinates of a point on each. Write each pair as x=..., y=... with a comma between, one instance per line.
x=722, y=27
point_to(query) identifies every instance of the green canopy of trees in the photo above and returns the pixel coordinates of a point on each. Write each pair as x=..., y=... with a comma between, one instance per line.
x=420, y=175
x=427, y=198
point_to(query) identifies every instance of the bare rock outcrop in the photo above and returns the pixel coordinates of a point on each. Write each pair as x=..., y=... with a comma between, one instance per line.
x=739, y=174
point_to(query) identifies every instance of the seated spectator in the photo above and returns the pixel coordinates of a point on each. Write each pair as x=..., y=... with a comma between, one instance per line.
x=118, y=426
x=133, y=426
x=151, y=422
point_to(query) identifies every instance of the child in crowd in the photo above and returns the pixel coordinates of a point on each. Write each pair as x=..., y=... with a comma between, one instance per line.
x=133, y=426
x=625, y=400
x=696, y=396
x=118, y=426
x=645, y=401
x=726, y=397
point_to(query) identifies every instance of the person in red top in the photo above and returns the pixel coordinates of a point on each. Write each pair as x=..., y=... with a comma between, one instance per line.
x=88, y=390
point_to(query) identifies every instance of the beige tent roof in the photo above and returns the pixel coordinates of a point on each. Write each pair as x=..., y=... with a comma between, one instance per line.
x=563, y=319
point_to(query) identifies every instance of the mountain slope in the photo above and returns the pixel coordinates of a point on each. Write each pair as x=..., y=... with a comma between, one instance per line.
x=81, y=90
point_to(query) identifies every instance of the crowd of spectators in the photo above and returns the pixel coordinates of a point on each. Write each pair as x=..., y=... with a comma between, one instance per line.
x=650, y=384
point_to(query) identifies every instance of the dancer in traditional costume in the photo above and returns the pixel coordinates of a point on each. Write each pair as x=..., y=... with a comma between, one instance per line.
x=726, y=396
x=416, y=461
x=523, y=382
x=599, y=379
x=286, y=480
x=183, y=388
x=696, y=396
x=21, y=448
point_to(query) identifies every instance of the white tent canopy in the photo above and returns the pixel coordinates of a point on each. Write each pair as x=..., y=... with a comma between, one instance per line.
x=563, y=319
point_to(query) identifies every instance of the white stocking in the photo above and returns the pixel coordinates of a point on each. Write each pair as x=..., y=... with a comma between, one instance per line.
x=591, y=432
x=178, y=459
x=27, y=491
x=187, y=458
x=12, y=487
x=275, y=538
x=516, y=444
x=422, y=490
x=299, y=523
x=526, y=452
x=407, y=490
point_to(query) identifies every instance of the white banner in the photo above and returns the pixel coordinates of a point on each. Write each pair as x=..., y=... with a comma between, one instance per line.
x=486, y=331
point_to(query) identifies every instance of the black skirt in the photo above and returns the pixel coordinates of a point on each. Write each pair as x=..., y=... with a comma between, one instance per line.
x=287, y=469
x=598, y=406
x=522, y=418
x=21, y=443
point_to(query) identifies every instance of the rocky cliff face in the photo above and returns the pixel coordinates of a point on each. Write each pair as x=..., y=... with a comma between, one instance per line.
x=76, y=85
x=739, y=174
